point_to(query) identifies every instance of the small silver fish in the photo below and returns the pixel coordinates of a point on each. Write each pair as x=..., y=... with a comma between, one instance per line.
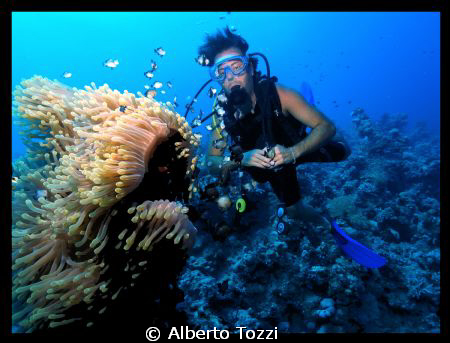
x=175, y=103
x=160, y=51
x=153, y=66
x=220, y=143
x=67, y=75
x=208, y=127
x=232, y=28
x=110, y=63
x=222, y=98
x=151, y=93
x=146, y=86
x=148, y=74
x=169, y=84
x=202, y=60
x=220, y=111
x=218, y=107
x=157, y=84
x=196, y=122
x=212, y=91
x=162, y=91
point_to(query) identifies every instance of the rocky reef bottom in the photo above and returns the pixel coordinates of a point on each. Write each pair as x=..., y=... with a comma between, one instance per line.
x=385, y=195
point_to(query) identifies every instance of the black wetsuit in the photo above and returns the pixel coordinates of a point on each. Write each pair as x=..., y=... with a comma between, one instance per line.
x=270, y=127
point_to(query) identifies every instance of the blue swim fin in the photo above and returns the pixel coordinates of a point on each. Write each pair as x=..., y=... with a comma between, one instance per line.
x=356, y=250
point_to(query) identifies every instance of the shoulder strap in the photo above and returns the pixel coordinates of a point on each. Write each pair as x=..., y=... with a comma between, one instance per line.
x=276, y=102
x=266, y=89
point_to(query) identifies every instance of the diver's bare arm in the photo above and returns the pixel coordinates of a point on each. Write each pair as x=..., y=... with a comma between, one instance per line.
x=318, y=136
x=322, y=128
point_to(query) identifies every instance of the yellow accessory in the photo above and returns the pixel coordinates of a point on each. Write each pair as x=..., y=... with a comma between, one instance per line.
x=214, y=119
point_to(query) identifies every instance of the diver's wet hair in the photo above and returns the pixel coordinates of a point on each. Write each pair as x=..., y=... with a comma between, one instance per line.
x=220, y=41
x=216, y=43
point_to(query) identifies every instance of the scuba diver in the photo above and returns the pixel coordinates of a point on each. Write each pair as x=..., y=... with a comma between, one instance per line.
x=267, y=124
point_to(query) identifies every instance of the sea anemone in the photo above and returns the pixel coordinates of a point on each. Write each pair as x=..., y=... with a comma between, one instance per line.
x=116, y=169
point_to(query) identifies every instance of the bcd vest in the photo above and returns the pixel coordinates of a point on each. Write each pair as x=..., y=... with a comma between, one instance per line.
x=267, y=126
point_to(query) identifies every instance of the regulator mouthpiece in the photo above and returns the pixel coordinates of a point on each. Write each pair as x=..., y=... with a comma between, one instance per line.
x=238, y=96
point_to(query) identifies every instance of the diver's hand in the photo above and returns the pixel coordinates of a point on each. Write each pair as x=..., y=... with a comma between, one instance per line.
x=283, y=155
x=226, y=170
x=255, y=158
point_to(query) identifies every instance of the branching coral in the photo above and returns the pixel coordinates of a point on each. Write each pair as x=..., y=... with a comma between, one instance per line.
x=93, y=148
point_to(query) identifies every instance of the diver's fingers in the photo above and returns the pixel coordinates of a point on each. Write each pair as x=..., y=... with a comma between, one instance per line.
x=261, y=157
x=260, y=164
x=264, y=161
x=279, y=159
x=256, y=159
x=259, y=152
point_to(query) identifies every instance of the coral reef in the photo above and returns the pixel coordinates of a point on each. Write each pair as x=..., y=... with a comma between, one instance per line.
x=108, y=175
x=385, y=195
x=102, y=182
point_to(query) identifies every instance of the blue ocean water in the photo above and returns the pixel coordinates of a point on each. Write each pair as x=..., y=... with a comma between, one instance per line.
x=355, y=68
x=382, y=62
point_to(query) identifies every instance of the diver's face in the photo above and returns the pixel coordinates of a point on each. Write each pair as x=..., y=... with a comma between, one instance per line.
x=245, y=80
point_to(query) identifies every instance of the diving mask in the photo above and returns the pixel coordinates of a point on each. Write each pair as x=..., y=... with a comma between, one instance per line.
x=237, y=66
